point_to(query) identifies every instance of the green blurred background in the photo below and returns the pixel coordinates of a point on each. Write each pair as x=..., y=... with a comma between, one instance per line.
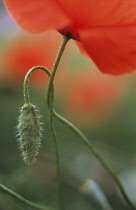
x=106, y=113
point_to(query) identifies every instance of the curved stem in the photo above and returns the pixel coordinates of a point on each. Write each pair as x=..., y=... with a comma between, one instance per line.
x=56, y=63
x=26, y=81
x=98, y=156
x=27, y=101
x=77, y=132
x=58, y=174
x=50, y=101
x=23, y=200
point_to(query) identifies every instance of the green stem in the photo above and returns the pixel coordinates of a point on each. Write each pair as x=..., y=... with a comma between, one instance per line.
x=23, y=200
x=26, y=81
x=27, y=101
x=56, y=63
x=50, y=101
x=98, y=156
x=56, y=145
x=77, y=132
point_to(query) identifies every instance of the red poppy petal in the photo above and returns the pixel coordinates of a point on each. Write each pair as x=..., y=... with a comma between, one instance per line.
x=82, y=49
x=96, y=13
x=113, y=49
x=38, y=15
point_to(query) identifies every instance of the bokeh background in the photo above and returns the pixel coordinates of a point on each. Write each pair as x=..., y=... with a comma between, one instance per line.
x=102, y=106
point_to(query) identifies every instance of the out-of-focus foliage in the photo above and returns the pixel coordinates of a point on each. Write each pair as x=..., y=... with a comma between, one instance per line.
x=107, y=117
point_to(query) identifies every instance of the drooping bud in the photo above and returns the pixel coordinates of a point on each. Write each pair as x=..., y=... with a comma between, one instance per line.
x=29, y=133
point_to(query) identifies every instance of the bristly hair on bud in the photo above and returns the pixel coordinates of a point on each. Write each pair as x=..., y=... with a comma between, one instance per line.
x=29, y=133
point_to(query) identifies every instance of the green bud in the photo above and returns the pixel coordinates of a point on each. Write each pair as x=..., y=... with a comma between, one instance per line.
x=29, y=133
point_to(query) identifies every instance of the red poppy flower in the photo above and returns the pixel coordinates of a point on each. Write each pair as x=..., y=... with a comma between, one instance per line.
x=92, y=98
x=26, y=51
x=105, y=28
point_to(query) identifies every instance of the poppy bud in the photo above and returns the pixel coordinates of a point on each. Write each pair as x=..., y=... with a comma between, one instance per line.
x=29, y=133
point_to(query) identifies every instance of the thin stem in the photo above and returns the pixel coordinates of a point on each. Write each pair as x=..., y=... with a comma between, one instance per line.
x=26, y=81
x=27, y=101
x=56, y=63
x=56, y=145
x=77, y=132
x=23, y=200
x=50, y=101
x=98, y=156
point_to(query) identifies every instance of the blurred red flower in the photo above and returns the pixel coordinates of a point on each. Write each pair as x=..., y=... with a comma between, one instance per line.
x=105, y=28
x=26, y=51
x=92, y=97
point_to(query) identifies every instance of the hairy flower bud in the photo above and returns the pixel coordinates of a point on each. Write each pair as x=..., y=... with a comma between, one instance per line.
x=29, y=133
